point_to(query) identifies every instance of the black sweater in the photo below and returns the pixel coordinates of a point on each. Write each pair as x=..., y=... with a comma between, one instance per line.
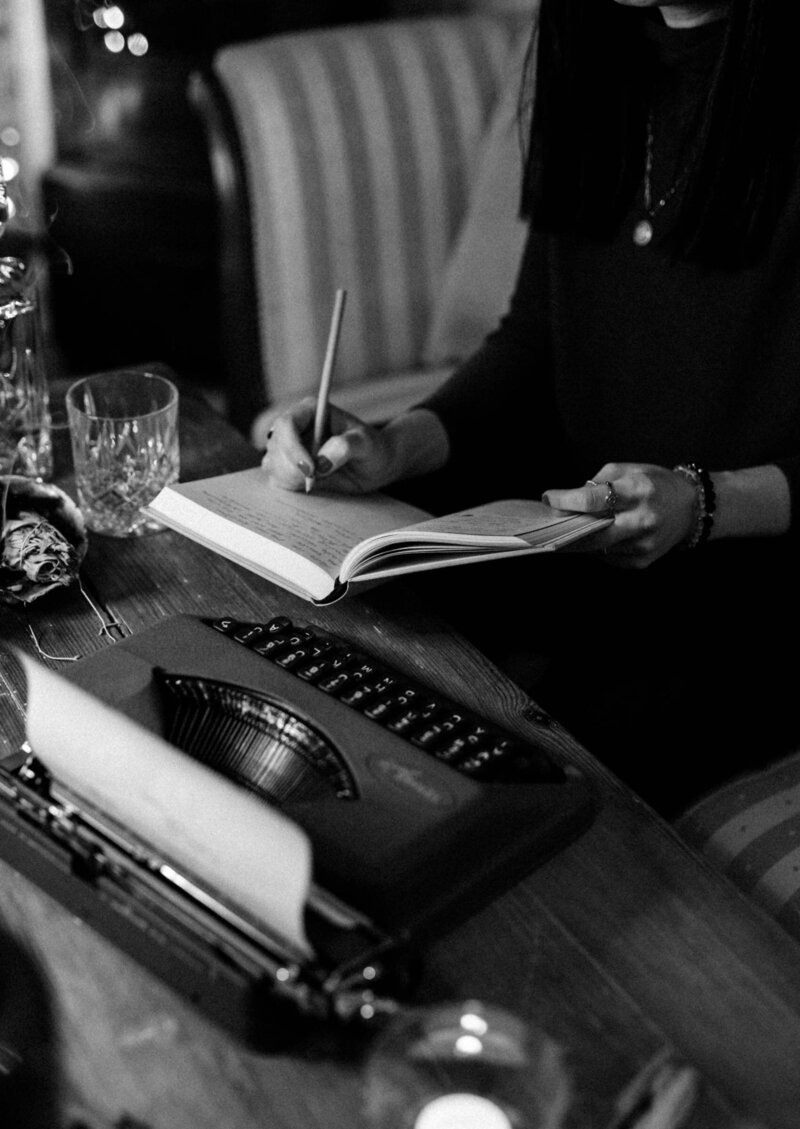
x=614, y=352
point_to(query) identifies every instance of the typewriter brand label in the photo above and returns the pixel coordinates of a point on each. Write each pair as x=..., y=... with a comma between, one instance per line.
x=412, y=779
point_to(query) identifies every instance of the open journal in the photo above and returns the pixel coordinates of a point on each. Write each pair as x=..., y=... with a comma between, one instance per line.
x=316, y=545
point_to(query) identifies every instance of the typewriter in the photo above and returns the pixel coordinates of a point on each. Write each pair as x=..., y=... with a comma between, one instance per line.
x=416, y=811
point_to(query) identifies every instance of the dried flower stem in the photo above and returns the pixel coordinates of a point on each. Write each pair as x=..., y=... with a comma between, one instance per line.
x=105, y=624
x=45, y=655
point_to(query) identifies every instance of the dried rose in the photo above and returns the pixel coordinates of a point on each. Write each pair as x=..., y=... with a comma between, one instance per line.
x=42, y=539
x=35, y=548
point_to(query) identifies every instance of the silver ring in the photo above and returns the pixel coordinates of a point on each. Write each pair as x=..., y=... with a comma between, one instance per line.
x=611, y=499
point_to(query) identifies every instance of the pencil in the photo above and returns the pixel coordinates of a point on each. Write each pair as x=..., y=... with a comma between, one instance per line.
x=321, y=411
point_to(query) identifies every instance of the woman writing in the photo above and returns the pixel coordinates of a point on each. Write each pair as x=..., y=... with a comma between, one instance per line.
x=649, y=365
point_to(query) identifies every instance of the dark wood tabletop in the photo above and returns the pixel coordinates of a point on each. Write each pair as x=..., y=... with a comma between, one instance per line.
x=624, y=943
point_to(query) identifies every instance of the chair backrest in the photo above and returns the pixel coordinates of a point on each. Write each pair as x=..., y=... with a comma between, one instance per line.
x=359, y=145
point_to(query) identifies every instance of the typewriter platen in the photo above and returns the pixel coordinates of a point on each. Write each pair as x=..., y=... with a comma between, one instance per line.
x=417, y=809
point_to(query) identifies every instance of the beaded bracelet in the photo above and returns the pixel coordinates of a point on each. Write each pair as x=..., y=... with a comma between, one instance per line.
x=705, y=503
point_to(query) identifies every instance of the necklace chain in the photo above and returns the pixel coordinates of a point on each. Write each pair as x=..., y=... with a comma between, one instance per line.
x=643, y=232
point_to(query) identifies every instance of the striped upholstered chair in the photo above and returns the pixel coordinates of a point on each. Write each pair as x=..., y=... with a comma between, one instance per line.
x=750, y=829
x=383, y=158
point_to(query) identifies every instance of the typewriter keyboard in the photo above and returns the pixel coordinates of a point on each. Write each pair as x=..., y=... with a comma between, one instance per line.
x=455, y=735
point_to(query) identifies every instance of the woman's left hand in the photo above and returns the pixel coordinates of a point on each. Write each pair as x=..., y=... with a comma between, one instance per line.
x=653, y=510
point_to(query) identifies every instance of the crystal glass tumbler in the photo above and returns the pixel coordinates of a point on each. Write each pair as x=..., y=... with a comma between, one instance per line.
x=124, y=432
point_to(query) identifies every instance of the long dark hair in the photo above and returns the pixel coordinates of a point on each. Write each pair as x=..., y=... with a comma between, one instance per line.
x=586, y=151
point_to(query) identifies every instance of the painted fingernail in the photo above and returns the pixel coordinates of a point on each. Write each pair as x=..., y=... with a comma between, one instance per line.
x=324, y=465
x=306, y=469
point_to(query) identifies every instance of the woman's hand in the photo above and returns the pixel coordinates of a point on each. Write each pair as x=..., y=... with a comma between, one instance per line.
x=356, y=458
x=653, y=510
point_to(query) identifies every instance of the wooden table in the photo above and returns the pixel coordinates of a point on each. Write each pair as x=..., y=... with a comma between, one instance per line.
x=622, y=944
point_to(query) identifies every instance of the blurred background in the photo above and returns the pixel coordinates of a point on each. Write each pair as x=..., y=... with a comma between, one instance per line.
x=108, y=167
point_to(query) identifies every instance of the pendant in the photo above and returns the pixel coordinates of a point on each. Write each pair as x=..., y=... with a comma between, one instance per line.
x=642, y=233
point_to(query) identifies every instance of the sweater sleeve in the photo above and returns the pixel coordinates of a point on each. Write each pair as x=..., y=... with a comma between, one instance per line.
x=498, y=408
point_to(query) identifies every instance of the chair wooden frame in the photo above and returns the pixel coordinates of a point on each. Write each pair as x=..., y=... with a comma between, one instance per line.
x=239, y=321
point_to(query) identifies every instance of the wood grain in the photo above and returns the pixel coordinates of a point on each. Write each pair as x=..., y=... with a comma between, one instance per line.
x=623, y=943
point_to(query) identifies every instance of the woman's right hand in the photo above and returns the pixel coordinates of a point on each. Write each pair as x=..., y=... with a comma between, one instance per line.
x=356, y=458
